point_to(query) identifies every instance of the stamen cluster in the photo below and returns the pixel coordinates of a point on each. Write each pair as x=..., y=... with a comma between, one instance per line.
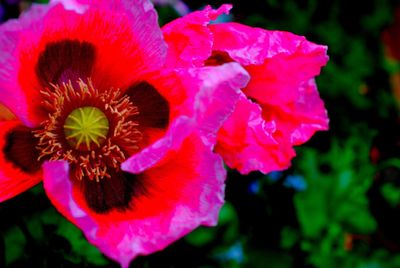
x=95, y=159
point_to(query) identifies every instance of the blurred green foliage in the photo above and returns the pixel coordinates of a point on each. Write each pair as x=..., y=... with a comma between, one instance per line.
x=28, y=241
x=335, y=204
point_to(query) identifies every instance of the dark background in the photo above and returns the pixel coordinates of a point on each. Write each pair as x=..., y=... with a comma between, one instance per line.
x=337, y=206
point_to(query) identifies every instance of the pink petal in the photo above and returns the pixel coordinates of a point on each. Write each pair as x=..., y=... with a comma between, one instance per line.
x=78, y=6
x=189, y=39
x=247, y=142
x=13, y=179
x=281, y=60
x=282, y=67
x=216, y=100
x=177, y=132
x=143, y=21
x=250, y=45
x=210, y=95
x=11, y=93
x=299, y=120
x=187, y=190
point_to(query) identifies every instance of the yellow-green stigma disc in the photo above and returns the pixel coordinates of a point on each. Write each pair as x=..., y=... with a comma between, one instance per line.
x=86, y=128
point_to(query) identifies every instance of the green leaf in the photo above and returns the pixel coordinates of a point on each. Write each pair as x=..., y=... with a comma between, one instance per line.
x=15, y=243
x=391, y=194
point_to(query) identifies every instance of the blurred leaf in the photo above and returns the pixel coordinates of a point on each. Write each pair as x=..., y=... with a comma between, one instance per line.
x=262, y=259
x=201, y=236
x=335, y=200
x=290, y=237
x=15, y=243
x=81, y=248
x=391, y=194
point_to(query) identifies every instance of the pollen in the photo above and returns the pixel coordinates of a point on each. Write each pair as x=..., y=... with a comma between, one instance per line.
x=86, y=128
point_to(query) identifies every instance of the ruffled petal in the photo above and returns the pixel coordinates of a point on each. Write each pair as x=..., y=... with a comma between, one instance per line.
x=185, y=191
x=199, y=98
x=189, y=39
x=12, y=94
x=216, y=102
x=299, y=120
x=143, y=21
x=249, y=45
x=124, y=38
x=262, y=137
x=247, y=142
x=282, y=67
x=278, y=62
x=19, y=169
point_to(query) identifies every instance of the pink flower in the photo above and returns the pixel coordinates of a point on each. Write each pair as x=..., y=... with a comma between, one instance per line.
x=122, y=142
x=279, y=108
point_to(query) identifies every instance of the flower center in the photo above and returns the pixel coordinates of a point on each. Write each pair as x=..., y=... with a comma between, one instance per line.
x=95, y=131
x=86, y=127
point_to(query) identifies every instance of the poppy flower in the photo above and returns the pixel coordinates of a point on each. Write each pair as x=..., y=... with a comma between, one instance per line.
x=122, y=142
x=279, y=108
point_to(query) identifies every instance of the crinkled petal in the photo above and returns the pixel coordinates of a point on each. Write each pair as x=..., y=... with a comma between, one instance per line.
x=189, y=39
x=199, y=98
x=185, y=191
x=262, y=137
x=128, y=29
x=15, y=176
x=299, y=120
x=252, y=46
x=282, y=67
x=11, y=93
x=217, y=99
x=247, y=142
x=143, y=21
x=278, y=62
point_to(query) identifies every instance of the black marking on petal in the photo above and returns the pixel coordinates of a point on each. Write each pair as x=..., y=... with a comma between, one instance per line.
x=153, y=108
x=65, y=60
x=218, y=58
x=20, y=149
x=116, y=192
